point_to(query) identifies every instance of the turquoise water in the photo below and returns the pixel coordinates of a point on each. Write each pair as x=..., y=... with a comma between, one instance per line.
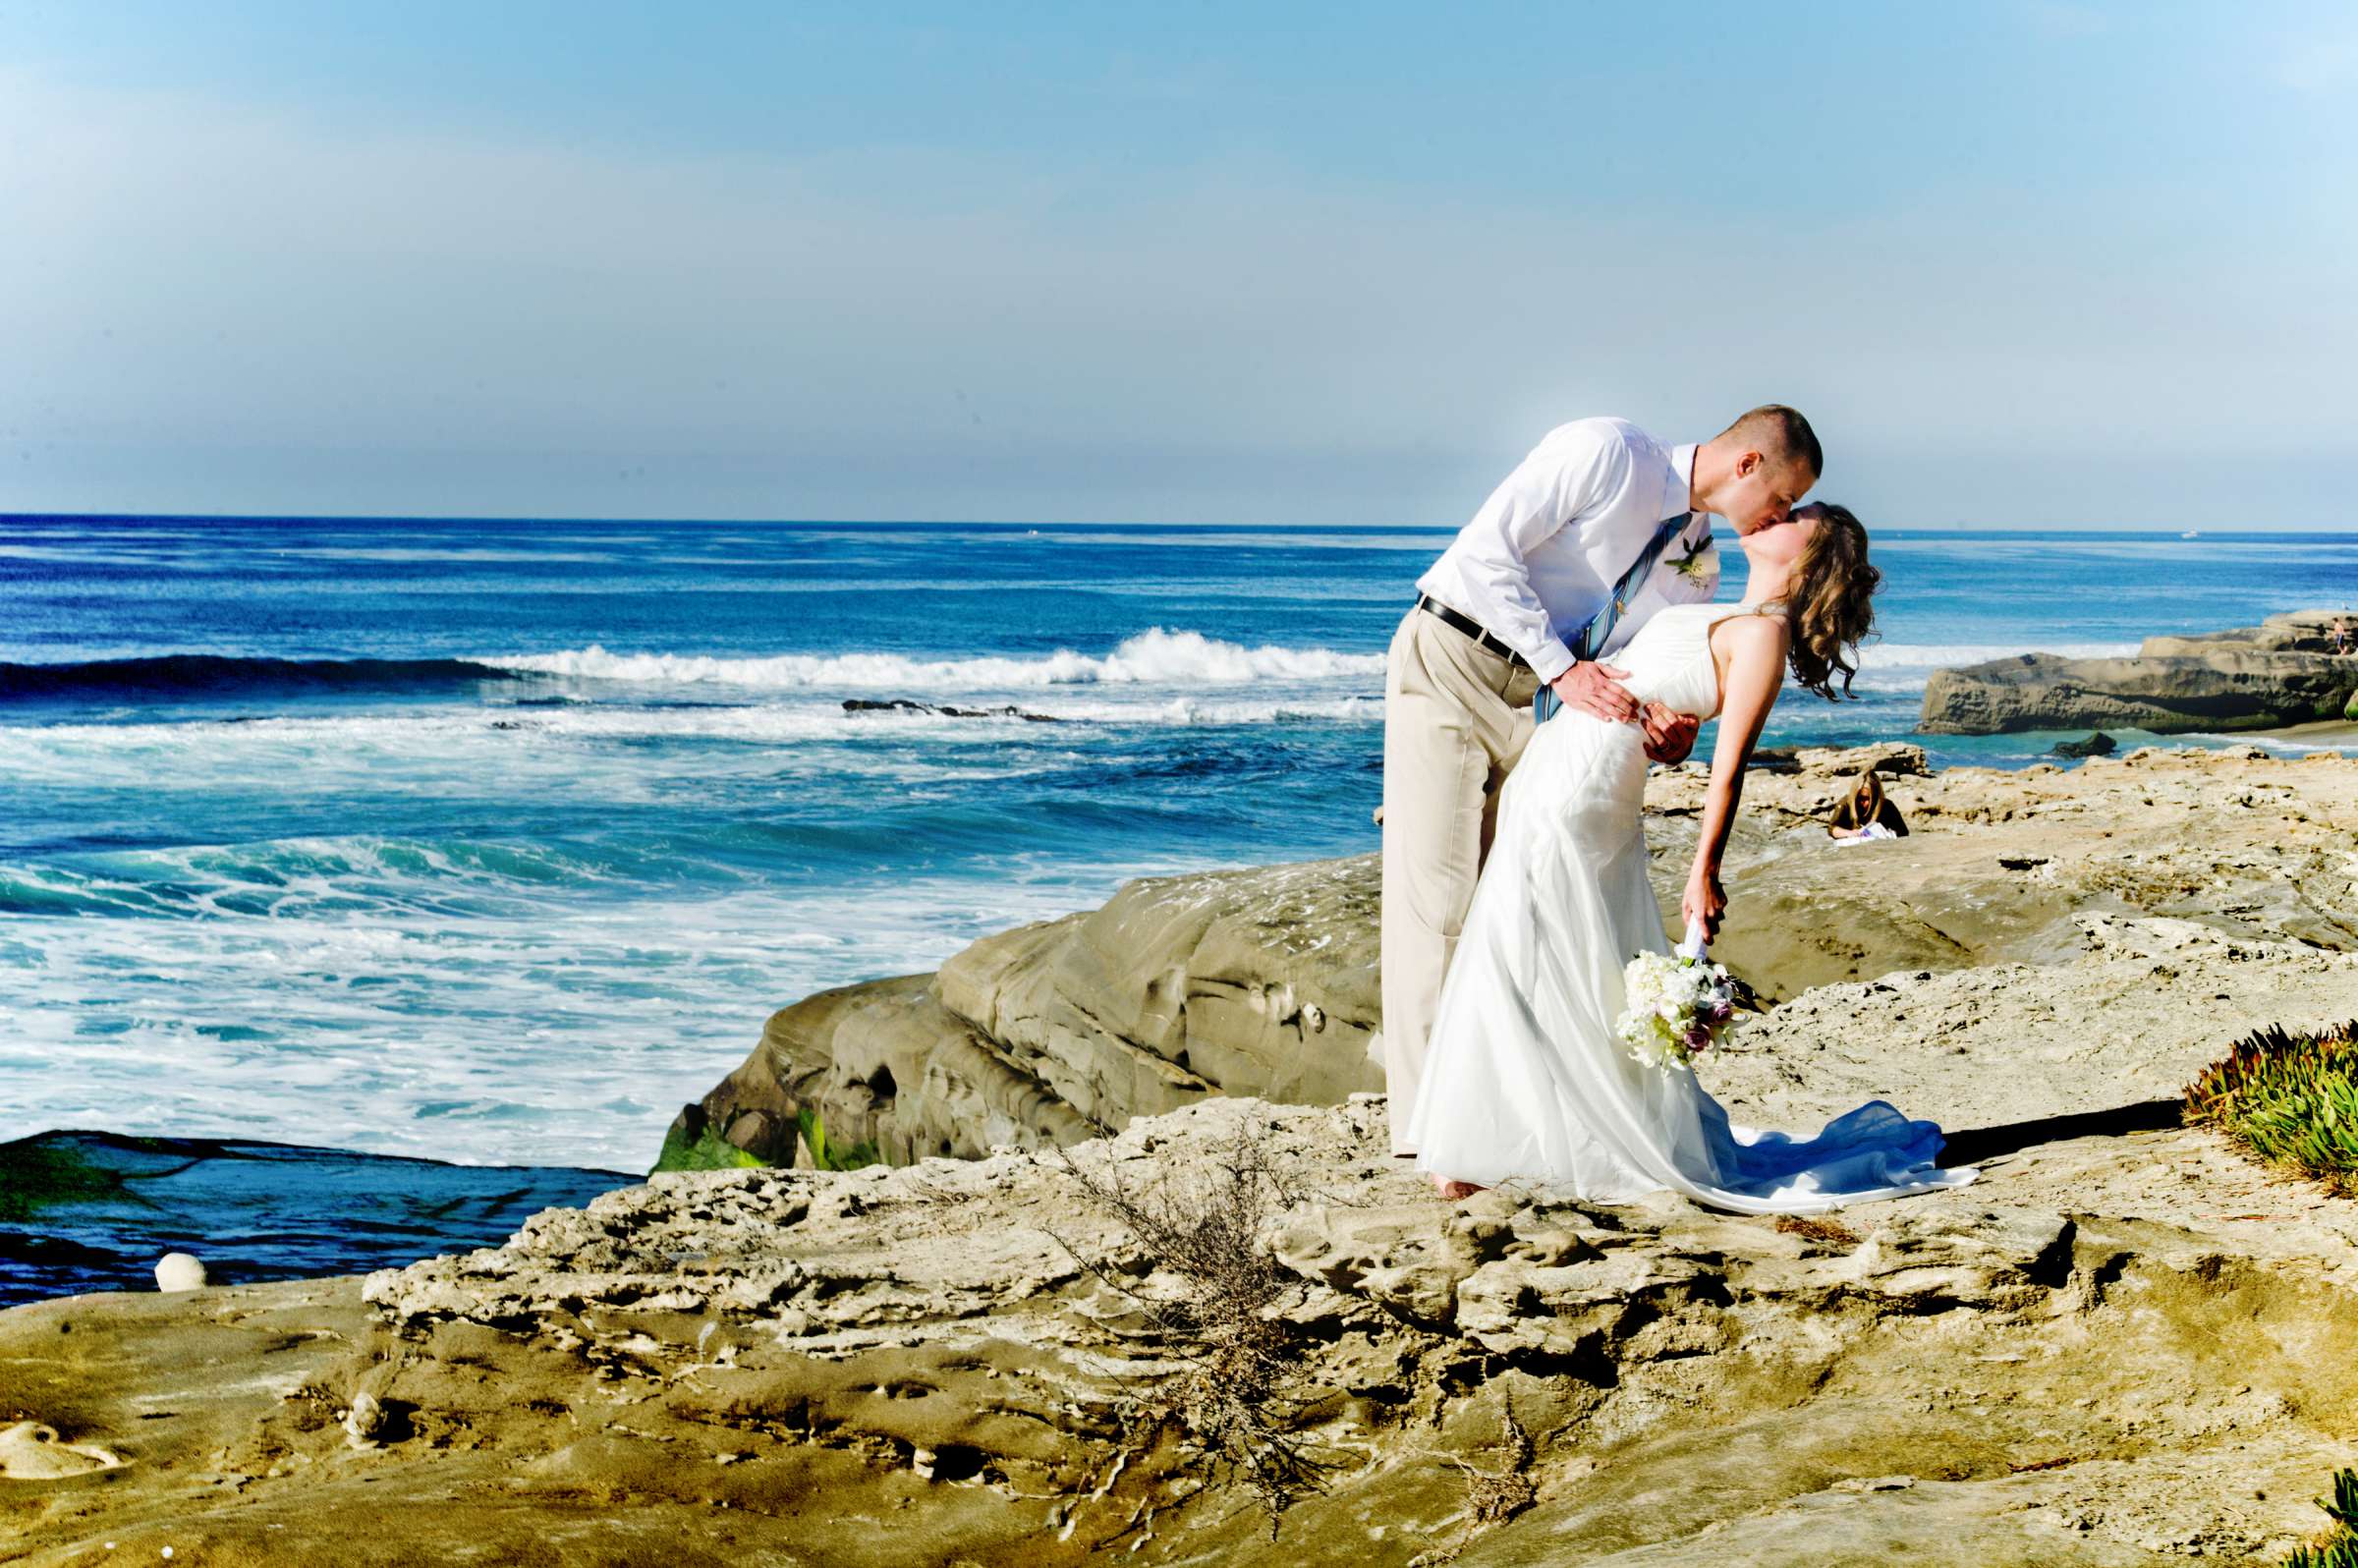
x=494, y=842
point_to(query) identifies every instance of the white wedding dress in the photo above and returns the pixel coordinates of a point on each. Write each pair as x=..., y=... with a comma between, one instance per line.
x=1526, y=1079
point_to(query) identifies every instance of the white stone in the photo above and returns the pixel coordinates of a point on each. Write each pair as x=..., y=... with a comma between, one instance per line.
x=364, y=1420
x=179, y=1272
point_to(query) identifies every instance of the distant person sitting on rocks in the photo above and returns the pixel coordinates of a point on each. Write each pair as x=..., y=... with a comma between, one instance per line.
x=1867, y=812
x=2342, y=640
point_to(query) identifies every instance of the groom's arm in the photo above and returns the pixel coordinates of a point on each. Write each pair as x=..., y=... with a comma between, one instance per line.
x=1550, y=490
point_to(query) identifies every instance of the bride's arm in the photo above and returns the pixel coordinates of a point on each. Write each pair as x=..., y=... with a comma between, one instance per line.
x=1755, y=671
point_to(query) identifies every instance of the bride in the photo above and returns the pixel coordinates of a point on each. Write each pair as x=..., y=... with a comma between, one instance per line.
x=1528, y=1079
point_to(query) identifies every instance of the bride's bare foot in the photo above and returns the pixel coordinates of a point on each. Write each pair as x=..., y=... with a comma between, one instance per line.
x=1453, y=1190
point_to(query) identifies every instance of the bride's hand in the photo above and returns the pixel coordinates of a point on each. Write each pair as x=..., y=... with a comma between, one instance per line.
x=1669, y=736
x=1705, y=900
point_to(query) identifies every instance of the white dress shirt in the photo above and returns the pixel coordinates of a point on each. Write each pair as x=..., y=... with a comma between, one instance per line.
x=1542, y=556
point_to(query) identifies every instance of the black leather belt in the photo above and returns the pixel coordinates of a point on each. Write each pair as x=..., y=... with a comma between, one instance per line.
x=1472, y=628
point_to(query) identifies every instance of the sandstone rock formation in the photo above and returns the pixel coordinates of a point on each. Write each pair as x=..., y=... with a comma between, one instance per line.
x=1259, y=981
x=2097, y=744
x=2280, y=673
x=2119, y=1346
x=1263, y=983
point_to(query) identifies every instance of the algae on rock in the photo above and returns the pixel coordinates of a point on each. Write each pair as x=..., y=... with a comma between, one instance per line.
x=702, y=1148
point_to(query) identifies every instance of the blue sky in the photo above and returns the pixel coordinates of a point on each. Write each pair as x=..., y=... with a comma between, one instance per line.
x=2022, y=262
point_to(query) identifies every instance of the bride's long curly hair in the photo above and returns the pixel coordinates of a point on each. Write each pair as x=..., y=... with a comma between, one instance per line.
x=1829, y=602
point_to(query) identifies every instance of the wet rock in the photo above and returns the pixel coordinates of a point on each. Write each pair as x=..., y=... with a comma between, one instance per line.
x=902, y=705
x=2278, y=673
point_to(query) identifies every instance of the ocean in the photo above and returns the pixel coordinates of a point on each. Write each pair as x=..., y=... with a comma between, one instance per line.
x=494, y=842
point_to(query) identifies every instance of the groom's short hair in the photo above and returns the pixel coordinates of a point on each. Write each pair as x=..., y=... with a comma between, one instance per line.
x=1778, y=431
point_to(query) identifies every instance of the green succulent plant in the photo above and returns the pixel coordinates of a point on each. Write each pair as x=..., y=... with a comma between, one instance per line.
x=2339, y=1549
x=2291, y=1099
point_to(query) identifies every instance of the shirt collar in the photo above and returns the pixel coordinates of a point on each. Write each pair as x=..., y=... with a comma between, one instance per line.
x=1682, y=476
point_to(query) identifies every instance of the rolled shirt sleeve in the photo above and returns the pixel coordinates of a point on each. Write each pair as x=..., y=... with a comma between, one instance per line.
x=1547, y=492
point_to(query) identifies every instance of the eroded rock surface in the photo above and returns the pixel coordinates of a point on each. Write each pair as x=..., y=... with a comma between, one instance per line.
x=2113, y=1349
x=2001, y=865
x=1257, y=981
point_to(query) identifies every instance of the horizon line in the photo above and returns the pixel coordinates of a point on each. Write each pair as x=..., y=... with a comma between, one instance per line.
x=9, y=517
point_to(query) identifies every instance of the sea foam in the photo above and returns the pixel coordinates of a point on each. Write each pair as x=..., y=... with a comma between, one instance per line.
x=1153, y=658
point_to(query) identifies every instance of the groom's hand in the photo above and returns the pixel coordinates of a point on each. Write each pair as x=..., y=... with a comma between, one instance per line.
x=1669, y=736
x=1597, y=689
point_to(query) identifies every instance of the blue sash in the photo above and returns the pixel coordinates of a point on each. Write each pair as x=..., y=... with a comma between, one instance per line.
x=1600, y=629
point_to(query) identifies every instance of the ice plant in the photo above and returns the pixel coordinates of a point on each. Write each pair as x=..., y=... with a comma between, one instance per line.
x=2292, y=1099
x=2339, y=1549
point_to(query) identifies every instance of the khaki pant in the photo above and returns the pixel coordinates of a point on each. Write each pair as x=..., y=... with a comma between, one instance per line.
x=1456, y=717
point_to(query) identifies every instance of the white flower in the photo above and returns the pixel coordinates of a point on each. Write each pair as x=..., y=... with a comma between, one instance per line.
x=1668, y=1006
x=1700, y=563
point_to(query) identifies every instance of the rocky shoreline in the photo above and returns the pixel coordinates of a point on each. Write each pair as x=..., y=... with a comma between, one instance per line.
x=1262, y=982
x=2284, y=671
x=2125, y=1343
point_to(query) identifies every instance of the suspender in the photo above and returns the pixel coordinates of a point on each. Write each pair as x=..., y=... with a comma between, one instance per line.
x=1600, y=629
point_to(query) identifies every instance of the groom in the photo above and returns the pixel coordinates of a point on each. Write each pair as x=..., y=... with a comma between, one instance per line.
x=1555, y=571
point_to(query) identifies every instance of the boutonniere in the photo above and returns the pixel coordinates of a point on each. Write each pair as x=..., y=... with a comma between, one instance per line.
x=1701, y=563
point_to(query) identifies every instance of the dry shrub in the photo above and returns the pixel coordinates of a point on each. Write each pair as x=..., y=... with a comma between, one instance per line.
x=1491, y=1499
x=1495, y=1499
x=1213, y=1295
x=1832, y=1232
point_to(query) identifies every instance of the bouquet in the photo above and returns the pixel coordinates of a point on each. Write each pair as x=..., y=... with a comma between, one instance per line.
x=1676, y=1005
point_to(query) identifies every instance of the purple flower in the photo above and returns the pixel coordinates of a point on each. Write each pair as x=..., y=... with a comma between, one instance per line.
x=1722, y=1012
x=1698, y=1038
